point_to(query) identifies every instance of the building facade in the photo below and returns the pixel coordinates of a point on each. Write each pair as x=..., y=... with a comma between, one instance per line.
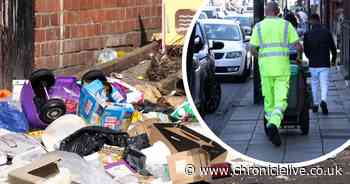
x=72, y=32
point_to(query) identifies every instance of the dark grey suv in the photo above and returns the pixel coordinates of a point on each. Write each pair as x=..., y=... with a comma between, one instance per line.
x=205, y=88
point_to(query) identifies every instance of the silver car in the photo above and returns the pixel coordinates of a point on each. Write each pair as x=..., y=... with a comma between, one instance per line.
x=232, y=60
x=246, y=22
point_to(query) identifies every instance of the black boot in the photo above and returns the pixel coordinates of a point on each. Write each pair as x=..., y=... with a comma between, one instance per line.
x=274, y=135
x=324, y=108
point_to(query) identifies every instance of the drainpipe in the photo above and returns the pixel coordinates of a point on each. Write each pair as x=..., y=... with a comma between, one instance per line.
x=258, y=16
x=61, y=14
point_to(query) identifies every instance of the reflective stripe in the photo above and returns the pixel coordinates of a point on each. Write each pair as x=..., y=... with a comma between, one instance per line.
x=272, y=45
x=268, y=115
x=277, y=112
x=258, y=26
x=279, y=109
x=274, y=54
x=286, y=32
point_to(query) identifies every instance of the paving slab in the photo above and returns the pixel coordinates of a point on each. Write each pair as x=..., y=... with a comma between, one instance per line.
x=242, y=126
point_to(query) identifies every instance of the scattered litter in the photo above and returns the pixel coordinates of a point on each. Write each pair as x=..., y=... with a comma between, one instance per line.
x=45, y=98
x=103, y=109
x=150, y=92
x=188, y=161
x=60, y=129
x=91, y=139
x=136, y=160
x=107, y=55
x=156, y=160
x=163, y=118
x=184, y=113
x=100, y=129
x=12, y=119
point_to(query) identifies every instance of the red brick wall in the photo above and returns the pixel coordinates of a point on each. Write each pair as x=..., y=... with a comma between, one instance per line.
x=84, y=27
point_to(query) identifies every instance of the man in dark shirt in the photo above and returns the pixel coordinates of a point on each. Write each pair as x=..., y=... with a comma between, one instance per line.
x=318, y=43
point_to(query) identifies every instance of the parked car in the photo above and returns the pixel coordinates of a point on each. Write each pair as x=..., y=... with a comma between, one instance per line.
x=245, y=20
x=202, y=16
x=210, y=11
x=220, y=12
x=205, y=88
x=232, y=60
x=249, y=9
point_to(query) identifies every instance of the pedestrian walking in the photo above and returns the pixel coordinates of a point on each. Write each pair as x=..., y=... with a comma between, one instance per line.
x=318, y=44
x=270, y=43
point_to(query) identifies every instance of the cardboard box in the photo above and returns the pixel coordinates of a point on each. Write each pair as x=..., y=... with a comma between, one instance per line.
x=179, y=138
x=140, y=128
x=94, y=109
x=37, y=172
x=184, y=166
x=133, y=95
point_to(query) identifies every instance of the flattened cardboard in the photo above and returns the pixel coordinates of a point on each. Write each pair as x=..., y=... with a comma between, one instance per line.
x=180, y=138
x=37, y=172
x=179, y=162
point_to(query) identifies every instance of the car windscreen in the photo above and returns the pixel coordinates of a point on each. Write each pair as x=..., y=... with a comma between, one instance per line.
x=222, y=32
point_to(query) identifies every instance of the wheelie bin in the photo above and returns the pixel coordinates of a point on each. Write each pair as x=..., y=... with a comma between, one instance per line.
x=299, y=96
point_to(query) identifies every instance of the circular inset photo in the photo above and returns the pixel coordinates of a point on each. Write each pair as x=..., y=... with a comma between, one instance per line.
x=265, y=78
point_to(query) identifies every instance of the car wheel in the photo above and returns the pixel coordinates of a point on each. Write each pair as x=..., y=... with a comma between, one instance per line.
x=246, y=73
x=213, y=95
x=93, y=75
x=52, y=110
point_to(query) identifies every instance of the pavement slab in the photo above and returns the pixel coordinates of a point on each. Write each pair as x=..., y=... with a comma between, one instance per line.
x=241, y=126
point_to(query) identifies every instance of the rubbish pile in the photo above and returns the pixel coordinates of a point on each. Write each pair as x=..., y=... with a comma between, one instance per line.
x=99, y=129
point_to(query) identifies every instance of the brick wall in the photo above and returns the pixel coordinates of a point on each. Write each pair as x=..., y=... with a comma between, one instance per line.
x=71, y=32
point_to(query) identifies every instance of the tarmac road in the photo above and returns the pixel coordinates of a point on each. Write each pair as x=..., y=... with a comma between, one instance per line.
x=239, y=123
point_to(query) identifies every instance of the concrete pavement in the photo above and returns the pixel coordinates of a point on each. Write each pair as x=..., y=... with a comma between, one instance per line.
x=239, y=123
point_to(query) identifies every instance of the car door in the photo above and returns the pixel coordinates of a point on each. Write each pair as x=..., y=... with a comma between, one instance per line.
x=200, y=59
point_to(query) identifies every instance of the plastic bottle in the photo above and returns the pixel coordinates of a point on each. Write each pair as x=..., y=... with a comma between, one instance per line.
x=6, y=97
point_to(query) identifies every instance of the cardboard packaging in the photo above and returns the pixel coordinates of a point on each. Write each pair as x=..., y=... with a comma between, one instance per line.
x=179, y=138
x=184, y=166
x=95, y=110
x=133, y=96
x=36, y=173
x=140, y=128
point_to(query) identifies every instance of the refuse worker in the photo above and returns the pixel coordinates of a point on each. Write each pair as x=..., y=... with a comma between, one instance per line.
x=269, y=42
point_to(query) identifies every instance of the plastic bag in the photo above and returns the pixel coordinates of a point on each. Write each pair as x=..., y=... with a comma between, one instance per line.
x=12, y=119
x=81, y=171
x=184, y=113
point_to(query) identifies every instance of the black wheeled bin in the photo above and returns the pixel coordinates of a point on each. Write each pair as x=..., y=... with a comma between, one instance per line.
x=297, y=112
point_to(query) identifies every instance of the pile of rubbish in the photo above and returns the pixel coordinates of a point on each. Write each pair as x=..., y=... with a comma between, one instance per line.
x=98, y=130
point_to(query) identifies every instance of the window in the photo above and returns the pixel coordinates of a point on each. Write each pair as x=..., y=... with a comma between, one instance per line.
x=222, y=32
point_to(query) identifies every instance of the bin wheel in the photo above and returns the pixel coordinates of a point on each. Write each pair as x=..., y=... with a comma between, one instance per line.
x=265, y=125
x=42, y=76
x=93, y=75
x=212, y=96
x=305, y=121
x=52, y=110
